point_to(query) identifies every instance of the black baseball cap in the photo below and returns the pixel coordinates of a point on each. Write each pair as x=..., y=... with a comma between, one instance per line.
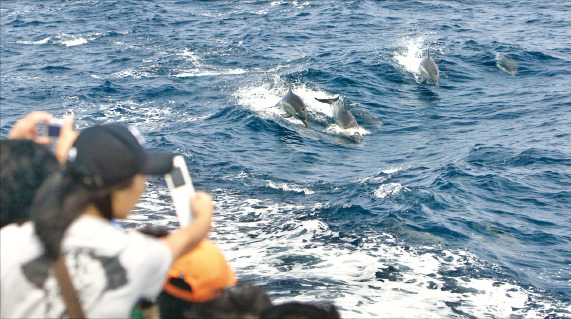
x=105, y=155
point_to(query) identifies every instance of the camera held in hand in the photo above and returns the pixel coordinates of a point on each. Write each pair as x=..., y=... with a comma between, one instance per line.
x=52, y=128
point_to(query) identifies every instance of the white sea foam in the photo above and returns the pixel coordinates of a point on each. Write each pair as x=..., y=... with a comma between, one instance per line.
x=387, y=190
x=137, y=112
x=265, y=241
x=134, y=73
x=148, y=115
x=384, y=175
x=263, y=98
x=296, y=4
x=393, y=169
x=198, y=72
x=74, y=41
x=262, y=234
x=410, y=56
x=42, y=41
x=290, y=188
x=68, y=40
x=156, y=203
x=337, y=130
x=198, y=69
x=260, y=99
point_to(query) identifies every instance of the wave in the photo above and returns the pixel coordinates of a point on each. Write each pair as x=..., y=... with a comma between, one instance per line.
x=302, y=258
x=290, y=188
x=55, y=69
x=197, y=73
x=175, y=64
x=69, y=40
x=390, y=189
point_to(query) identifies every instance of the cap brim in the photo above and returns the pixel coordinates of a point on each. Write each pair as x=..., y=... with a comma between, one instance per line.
x=158, y=163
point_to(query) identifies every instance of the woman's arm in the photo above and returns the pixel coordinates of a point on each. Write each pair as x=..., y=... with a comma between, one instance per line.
x=185, y=239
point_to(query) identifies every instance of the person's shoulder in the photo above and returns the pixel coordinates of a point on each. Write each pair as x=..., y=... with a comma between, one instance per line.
x=148, y=243
x=13, y=231
x=18, y=241
x=95, y=227
x=95, y=233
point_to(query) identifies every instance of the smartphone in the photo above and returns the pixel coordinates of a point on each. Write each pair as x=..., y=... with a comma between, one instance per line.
x=181, y=188
x=52, y=128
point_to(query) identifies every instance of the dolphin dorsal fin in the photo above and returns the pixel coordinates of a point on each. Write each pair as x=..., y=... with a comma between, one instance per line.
x=329, y=101
x=428, y=52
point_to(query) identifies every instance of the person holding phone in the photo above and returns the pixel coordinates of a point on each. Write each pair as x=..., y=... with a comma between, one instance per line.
x=109, y=268
x=26, y=162
x=27, y=128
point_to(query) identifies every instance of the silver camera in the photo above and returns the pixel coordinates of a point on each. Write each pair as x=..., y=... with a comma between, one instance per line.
x=53, y=128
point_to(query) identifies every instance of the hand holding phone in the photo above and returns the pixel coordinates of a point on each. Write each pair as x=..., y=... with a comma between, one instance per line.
x=181, y=188
x=28, y=127
x=67, y=137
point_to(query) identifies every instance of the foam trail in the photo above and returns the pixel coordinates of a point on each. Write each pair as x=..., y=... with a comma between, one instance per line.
x=197, y=73
x=411, y=55
x=266, y=238
x=68, y=40
x=266, y=242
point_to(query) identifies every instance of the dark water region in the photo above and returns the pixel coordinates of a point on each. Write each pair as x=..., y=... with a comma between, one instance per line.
x=455, y=204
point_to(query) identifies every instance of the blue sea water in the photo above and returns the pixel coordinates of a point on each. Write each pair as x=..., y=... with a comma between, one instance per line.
x=457, y=201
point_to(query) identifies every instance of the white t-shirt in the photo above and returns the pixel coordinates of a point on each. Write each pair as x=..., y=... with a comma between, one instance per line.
x=110, y=269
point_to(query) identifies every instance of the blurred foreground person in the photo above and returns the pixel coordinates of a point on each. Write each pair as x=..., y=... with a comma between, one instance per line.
x=241, y=301
x=26, y=164
x=27, y=127
x=298, y=310
x=71, y=230
x=201, y=284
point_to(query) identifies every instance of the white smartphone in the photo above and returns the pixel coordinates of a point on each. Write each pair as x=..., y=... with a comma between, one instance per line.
x=181, y=188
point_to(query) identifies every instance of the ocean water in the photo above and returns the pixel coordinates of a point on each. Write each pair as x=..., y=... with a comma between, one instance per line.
x=457, y=202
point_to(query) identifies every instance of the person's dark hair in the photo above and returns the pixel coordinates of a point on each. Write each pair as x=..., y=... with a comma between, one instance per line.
x=241, y=301
x=171, y=307
x=24, y=167
x=156, y=231
x=60, y=200
x=103, y=159
x=298, y=310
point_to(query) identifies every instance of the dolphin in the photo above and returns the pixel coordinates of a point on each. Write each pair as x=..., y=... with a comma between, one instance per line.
x=343, y=117
x=294, y=106
x=506, y=64
x=429, y=70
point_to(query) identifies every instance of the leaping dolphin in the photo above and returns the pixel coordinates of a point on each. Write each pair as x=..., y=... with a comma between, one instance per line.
x=343, y=117
x=429, y=70
x=294, y=106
